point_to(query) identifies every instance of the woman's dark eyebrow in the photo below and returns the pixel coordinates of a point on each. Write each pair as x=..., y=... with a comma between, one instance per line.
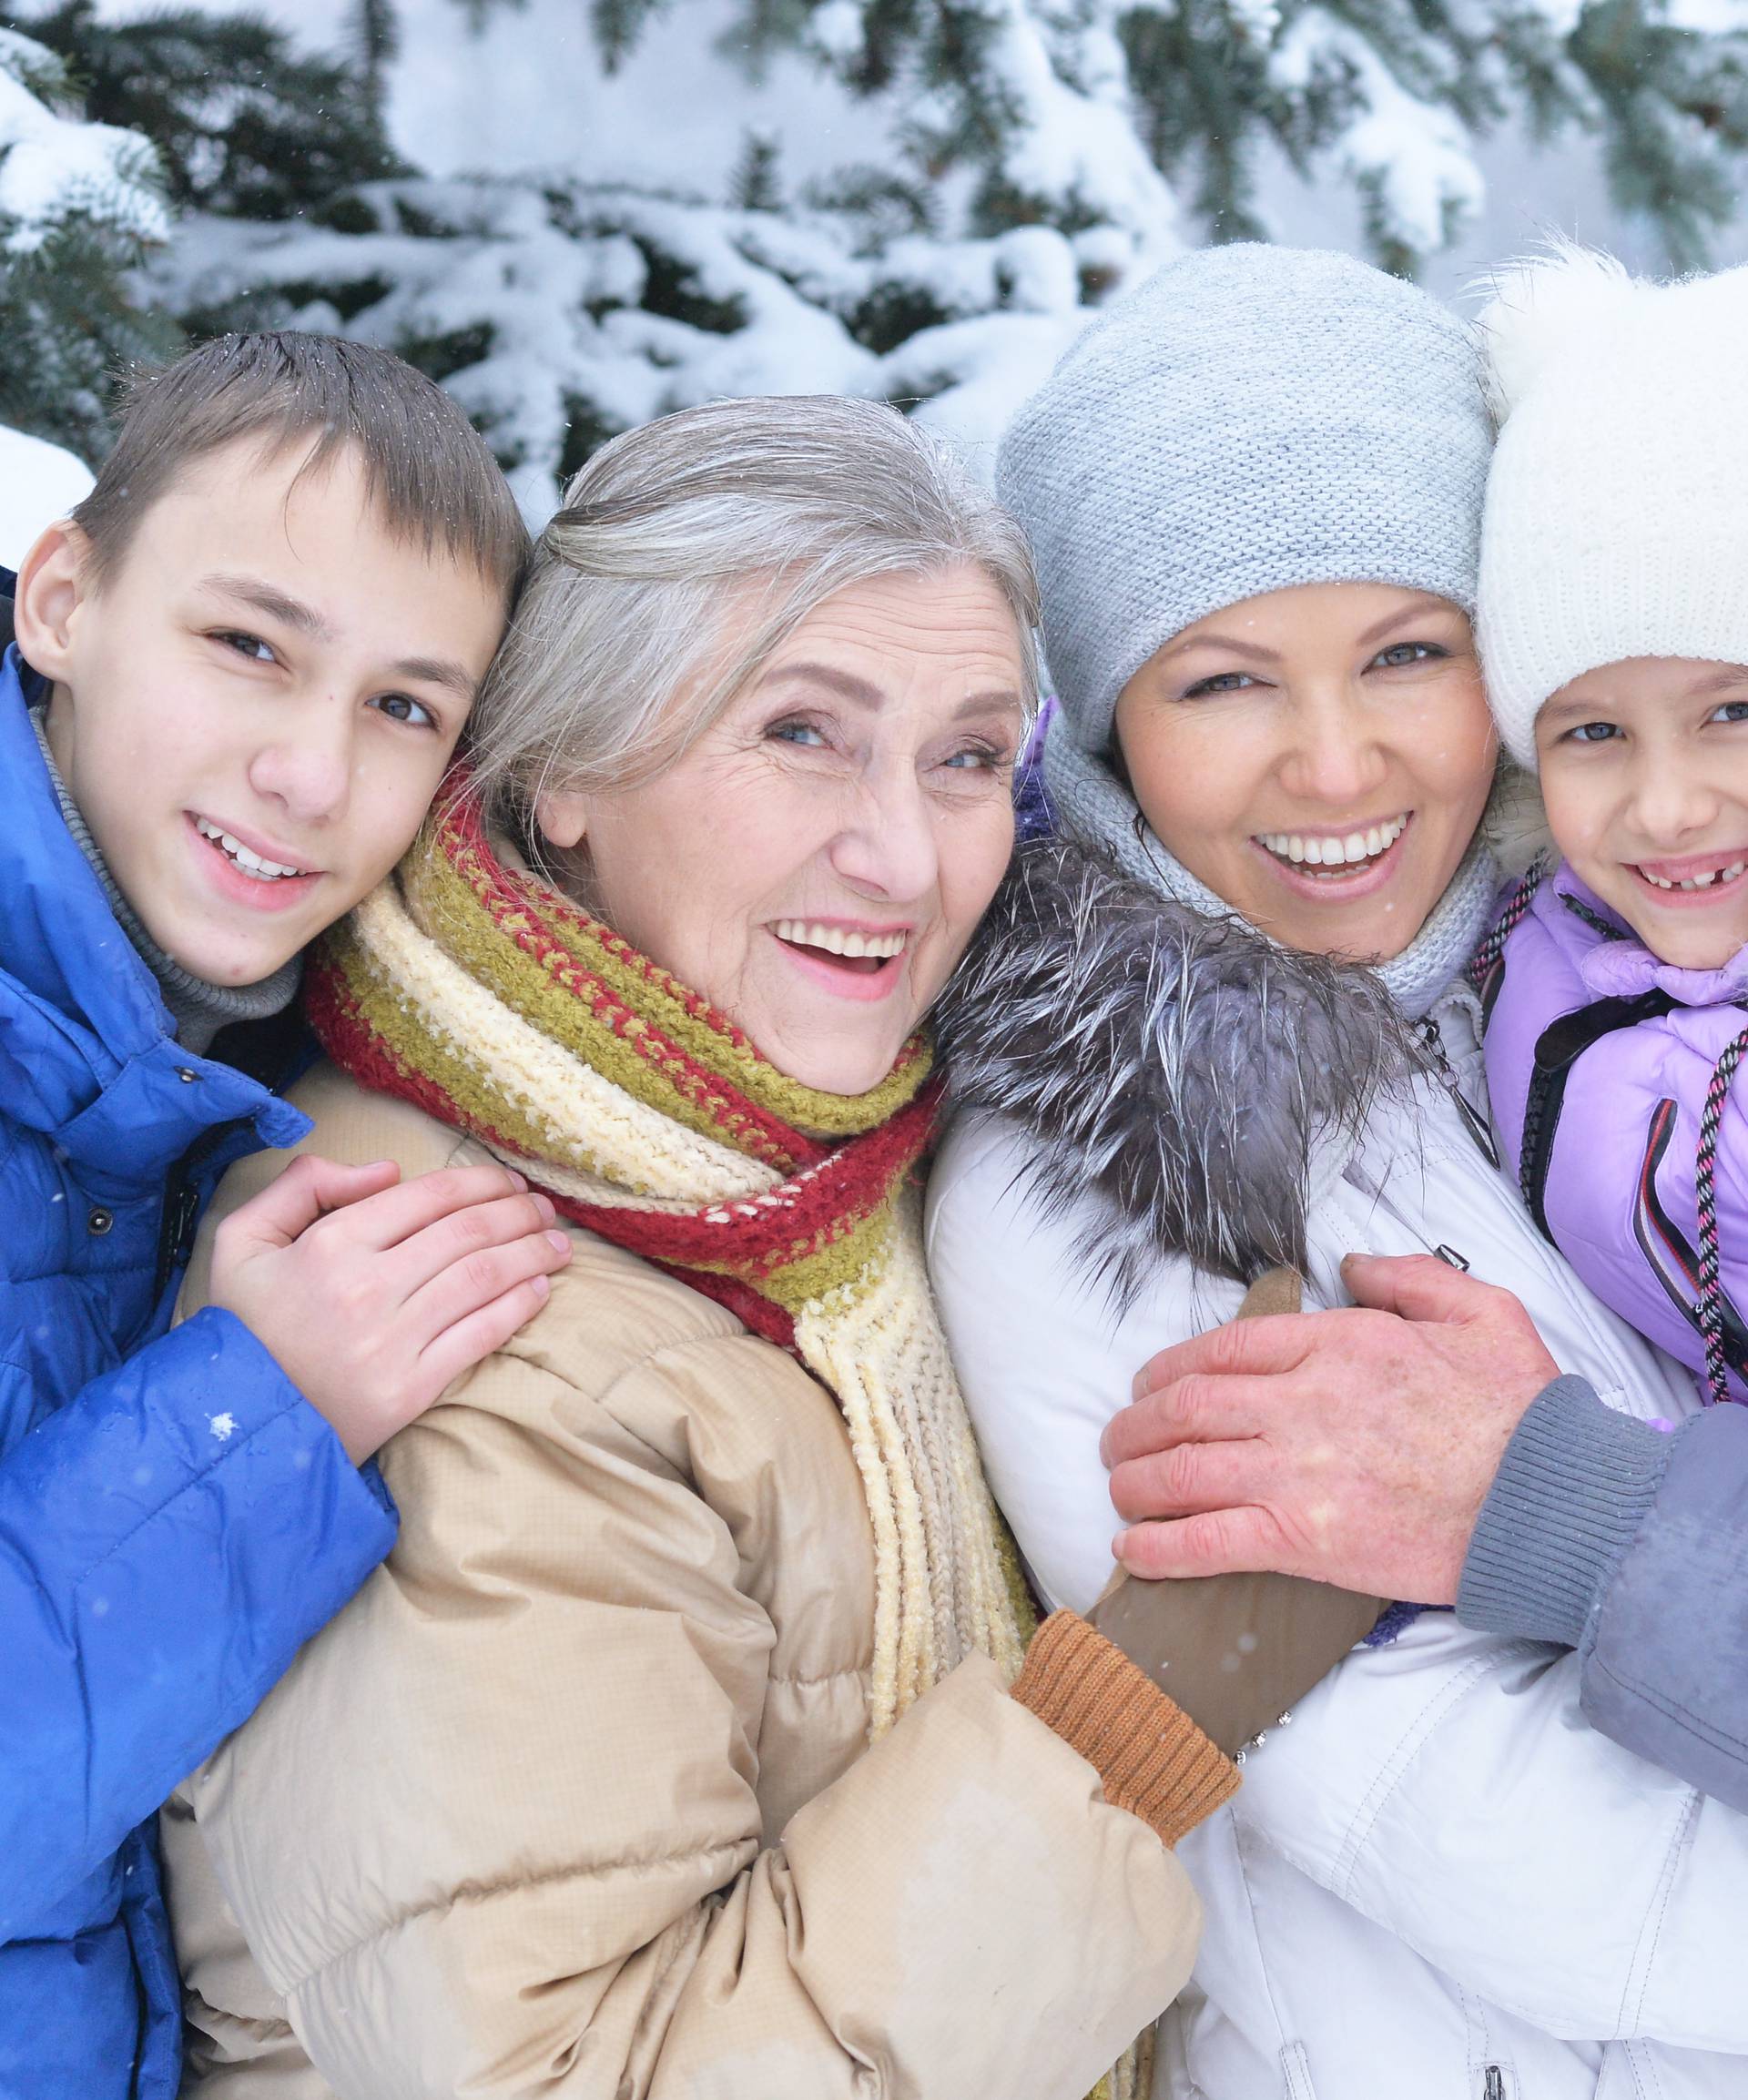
x=1230, y=643
x=1419, y=610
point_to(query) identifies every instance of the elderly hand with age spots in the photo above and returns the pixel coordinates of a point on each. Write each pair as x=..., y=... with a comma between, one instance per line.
x=1355, y=1447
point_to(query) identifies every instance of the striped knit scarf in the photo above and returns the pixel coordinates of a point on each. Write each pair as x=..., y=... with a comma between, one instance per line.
x=466, y=985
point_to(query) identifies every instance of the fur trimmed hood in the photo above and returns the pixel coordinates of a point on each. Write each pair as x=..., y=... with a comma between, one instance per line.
x=1181, y=1068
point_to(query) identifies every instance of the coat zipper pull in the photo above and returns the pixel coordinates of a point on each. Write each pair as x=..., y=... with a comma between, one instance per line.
x=1474, y=1122
x=1494, y=2087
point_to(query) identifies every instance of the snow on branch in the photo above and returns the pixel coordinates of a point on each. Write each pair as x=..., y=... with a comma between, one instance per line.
x=1410, y=158
x=57, y=171
x=559, y=311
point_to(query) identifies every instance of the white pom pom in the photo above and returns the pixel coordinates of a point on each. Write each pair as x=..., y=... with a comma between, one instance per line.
x=1544, y=313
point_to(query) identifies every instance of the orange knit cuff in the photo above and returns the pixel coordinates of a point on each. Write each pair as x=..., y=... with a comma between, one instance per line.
x=1153, y=1760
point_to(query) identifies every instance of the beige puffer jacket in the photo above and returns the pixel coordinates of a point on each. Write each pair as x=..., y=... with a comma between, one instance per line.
x=573, y=1799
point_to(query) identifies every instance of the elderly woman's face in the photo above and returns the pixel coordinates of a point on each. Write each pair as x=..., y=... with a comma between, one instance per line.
x=817, y=862
x=1319, y=757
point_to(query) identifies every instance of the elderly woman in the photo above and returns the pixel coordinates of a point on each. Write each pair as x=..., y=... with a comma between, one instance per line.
x=672, y=1752
x=1255, y=493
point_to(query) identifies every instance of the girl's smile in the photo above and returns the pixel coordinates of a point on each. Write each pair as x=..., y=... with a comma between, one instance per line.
x=1644, y=773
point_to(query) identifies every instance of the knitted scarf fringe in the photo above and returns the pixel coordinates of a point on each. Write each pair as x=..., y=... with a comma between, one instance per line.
x=465, y=985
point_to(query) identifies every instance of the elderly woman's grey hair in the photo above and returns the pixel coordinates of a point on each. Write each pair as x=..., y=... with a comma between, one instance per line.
x=737, y=518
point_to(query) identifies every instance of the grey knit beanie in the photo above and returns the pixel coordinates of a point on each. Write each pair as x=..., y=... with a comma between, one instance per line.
x=1249, y=419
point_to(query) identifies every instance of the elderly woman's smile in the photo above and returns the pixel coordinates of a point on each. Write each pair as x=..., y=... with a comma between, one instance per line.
x=816, y=860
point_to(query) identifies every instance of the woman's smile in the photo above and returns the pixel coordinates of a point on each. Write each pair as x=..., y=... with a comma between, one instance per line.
x=852, y=957
x=1337, y=866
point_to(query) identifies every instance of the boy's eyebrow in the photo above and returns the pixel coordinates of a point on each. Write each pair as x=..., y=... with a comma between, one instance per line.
x=439, y=671
x=276, y=604
x=293, y=613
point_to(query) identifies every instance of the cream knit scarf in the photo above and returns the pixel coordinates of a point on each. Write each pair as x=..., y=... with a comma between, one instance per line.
x=465, y=984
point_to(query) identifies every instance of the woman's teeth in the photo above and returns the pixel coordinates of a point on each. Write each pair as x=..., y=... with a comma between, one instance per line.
x=250, y=863
x=1728, y=874
x=1344, y=852
x=836, y=940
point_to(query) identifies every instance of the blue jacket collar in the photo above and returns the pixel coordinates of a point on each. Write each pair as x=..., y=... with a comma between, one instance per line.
x=89, y=1054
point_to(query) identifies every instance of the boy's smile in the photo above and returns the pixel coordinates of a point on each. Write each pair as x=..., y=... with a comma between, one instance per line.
x=254, y=706
x=248, y=873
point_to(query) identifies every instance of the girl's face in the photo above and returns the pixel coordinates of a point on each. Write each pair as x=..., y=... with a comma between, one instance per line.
x=1644, y=771
x=1319, y=757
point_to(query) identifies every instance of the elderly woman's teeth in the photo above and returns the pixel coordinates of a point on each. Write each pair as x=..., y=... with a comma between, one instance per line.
x=1333, y=852
x=838, y=940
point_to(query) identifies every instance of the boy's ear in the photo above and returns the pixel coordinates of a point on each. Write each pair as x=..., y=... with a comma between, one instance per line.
x=51, y=588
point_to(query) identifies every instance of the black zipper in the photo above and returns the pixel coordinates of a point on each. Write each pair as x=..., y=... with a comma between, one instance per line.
x=266, y=1052
x=1494, y=2086
x=181, y=1210
x=1558, y=1049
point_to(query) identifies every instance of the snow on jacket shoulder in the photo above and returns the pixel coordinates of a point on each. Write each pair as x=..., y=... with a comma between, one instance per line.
x=575, y=1796
x=175, y=1519
x=1438, y=1872
x=1615, y=1141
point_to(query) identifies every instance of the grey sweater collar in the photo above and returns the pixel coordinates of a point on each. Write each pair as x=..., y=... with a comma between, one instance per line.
x=199, y=1009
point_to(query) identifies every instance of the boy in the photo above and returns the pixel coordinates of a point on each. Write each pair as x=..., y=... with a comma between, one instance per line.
x=242, y=668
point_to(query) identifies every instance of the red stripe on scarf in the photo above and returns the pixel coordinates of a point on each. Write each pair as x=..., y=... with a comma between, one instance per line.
x=521, y=912
x=727, y=1251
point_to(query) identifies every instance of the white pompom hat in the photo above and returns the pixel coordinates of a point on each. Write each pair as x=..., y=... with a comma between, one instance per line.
x=1616, y=522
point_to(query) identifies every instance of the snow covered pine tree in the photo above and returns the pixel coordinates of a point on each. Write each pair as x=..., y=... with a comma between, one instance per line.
x=1033, y=156
x=80, y=204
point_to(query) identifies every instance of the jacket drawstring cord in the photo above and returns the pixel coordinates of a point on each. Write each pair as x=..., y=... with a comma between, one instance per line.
x=1709, y=1307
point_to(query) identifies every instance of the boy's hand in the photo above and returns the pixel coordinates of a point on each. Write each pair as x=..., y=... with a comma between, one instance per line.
x=373, y=1294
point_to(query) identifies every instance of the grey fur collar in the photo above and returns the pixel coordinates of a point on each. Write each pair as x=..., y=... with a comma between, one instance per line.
x=1181, y=1068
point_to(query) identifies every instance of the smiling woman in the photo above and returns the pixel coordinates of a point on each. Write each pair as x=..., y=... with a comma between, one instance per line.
x=1255, y=491
x=679, y=1745
x=859, y=787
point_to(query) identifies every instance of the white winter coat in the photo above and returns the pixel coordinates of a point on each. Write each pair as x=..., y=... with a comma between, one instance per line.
x=1439, y=1882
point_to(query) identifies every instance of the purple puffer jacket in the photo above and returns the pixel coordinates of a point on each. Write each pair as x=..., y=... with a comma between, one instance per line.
x=1599, y=1058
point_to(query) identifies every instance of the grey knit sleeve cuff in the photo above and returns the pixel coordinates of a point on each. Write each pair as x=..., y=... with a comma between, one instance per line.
x=1572, y=1491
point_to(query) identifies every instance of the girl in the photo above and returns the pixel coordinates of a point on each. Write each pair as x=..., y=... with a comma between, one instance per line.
x=1615, y=639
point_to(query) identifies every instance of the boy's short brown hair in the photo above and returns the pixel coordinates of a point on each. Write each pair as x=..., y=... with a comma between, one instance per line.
x=428, y=470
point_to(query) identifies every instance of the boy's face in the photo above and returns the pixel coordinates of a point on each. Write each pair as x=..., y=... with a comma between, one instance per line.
x=1644, y=771
x=254, y=707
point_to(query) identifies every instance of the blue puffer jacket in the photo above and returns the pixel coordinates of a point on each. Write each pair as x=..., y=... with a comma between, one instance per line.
x=175, y=1518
